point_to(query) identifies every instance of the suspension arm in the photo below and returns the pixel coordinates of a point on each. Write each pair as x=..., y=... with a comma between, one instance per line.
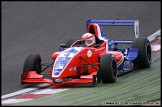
x=89, y=64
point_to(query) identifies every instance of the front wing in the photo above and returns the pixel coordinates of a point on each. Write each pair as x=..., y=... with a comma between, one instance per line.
x=33, y=77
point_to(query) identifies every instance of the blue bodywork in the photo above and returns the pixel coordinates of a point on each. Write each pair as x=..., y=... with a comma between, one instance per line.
x=63, y=59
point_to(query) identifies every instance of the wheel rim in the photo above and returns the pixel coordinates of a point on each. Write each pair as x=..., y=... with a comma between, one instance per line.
x=148, y=53
x=114, y=69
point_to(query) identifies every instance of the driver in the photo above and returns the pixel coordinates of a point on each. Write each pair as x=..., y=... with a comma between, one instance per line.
x=89, y=39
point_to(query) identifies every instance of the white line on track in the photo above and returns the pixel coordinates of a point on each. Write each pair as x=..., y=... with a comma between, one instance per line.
x=154, y=35
x=24, y=91
x=155, y=47
x=18, y=92
x=47, y=91
x=12, y=101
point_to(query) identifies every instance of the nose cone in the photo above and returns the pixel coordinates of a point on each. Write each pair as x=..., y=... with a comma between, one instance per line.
x=62, y=61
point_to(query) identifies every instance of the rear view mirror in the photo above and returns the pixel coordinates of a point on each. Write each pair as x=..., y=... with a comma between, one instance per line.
x=62, y=47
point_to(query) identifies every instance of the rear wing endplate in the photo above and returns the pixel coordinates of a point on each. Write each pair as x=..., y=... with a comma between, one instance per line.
x=134, y=23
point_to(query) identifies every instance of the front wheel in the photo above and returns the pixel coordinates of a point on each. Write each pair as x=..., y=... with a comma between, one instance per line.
x=32, y=63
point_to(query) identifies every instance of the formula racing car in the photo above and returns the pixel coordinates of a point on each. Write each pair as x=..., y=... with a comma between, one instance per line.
x=80, y=64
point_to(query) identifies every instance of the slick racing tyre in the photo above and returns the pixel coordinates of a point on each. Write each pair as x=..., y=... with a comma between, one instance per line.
x=108, y=68
x=32, y=63
x=96, y=79
x=143, y=59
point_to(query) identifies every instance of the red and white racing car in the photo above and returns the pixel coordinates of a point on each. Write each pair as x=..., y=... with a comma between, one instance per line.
x=77, y=63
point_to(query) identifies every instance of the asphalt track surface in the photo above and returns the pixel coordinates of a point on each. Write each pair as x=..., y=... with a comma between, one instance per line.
x=39, y=27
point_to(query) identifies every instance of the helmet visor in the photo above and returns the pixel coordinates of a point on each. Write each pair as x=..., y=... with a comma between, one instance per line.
x=89, y=41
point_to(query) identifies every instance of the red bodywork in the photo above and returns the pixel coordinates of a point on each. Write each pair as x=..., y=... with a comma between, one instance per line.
x=82, y=66
x=85, y=64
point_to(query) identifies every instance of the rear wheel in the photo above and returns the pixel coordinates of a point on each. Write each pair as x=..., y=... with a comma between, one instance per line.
x=32, y=63
x=144, y=52
x=108, y=68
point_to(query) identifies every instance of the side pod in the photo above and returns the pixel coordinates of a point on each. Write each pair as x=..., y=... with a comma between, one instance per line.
x=132, y=54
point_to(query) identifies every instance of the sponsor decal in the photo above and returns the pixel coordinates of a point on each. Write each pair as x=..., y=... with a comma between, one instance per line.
x=100, y=49
x=74, y=68
x=70, y=69
x=89, y=53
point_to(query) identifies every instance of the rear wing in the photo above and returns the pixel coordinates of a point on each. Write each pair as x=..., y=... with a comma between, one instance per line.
x=134, y=23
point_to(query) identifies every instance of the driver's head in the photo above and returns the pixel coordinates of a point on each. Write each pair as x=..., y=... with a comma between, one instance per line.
x=89, y=39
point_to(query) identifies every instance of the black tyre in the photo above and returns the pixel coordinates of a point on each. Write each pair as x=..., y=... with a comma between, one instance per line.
x=96, y=79
x=143, y=59
x=32, y=63
x=94, y=83
x=108, y=68
x=70, y=42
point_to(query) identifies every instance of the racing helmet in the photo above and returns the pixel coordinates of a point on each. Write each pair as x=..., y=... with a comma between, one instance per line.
x=89, y=39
